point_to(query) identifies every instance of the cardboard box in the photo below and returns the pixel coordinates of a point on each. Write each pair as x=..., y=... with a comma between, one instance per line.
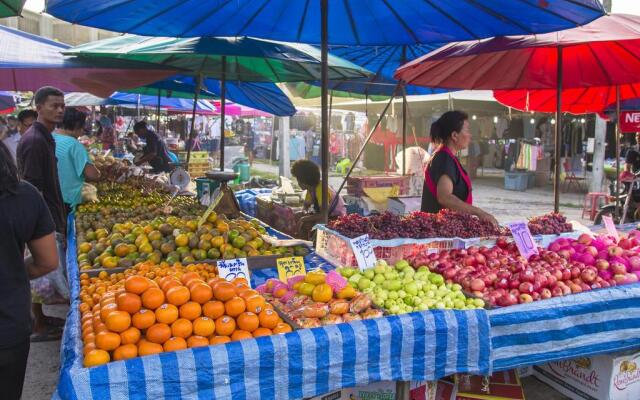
x=403, y=205
x=385, y=390
x=501, y=386
x=603, y=377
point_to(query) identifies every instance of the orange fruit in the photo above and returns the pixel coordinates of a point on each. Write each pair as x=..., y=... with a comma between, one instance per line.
x=96, y=357
x=167, y=313
x=224, y=291
x=203, y=326
x=182, y=328
x=189, y=276
x=175, y=343
x=136, y=284
x=158, y=333
x=213, y=309
x=247, y=292
x=268, y=319
x=282, y=328
x=248, y=321
x=107, y=341
x=235, y=306
x=178, y=295
x=242, y=281
x=88, y=347
x=201, y=293
x=190, y=310
x=219, y=340
x=255, y=303
x=239, y=334
x=143, y=319
x=106, y=310
x=129, y=302
x=125, y=352
x=146, y=348
x=152, y=298
x=130, y=336
x=169, y=283
x=118, y=321
x=197, y=341
x=225, y=325
x=262, y=332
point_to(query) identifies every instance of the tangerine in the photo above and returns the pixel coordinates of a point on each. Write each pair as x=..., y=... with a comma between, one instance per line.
x=262, y=332
x=167, y=313
x=146, y=348
x=171, y=283
x=88, y=347
x=248, y=321
x=178, y=295
x=197, y=341
x=152, y=298
x=219, y=340
x=235, y=306
x=225, y=325
x=96, y=357
x=118, y=321
x=255, y=303
x=203, y=326
x=190, y=310
x=158, y=333
x=201, y=293
x=175, y=343
x=268, y=319
x=130, y=336
x=239, y=334
x=224, y=291
x=143, y=319
x=136, y=284
x=107, y=341
x=188, y=276
x=282, y=328
x=182, y=328
x=125, y=352
x=106, y=310
x=213, y=309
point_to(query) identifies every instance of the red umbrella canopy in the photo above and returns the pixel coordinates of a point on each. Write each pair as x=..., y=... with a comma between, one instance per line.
x=574, y=101
x=604, y=52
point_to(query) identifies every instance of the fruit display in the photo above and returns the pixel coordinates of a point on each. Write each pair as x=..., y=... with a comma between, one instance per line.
x=417, y=225
x=318, y=298
x=549, y=224
x=402, y=289
x=502, y=277
x=151, y=309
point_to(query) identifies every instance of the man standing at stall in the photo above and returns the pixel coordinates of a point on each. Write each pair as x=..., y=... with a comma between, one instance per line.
x=37, y=165
x=155, y=151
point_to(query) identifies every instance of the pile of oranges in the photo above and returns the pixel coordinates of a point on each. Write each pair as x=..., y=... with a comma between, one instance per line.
x=174, y=310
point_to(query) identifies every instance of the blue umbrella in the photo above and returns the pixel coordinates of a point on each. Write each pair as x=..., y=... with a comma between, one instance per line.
x=123, y=99
x=352, y=22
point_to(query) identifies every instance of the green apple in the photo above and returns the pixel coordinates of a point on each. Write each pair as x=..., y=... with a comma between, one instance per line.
x=378, y=279
x=411, y=288
x=478, y=303
x=436, y=279
x=364, y=283
x=393, y=295
x=369, y=273
x=402, y=264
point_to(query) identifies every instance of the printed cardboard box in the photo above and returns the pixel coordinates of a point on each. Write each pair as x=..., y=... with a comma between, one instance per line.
x=603, y=377
x=385, y=390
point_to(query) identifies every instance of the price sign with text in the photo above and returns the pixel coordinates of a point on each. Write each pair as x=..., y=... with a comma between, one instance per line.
x=290, y=266
x=524, y=240
x=611, y=227
x=234, y=268
x=364, y=252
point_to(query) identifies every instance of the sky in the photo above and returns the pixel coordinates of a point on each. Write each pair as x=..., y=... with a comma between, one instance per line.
x=619, y=6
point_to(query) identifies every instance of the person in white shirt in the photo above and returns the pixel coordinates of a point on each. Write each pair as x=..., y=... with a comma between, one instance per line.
x=25, y=120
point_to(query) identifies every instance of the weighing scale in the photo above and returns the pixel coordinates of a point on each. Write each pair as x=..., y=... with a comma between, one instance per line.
x=227, y=204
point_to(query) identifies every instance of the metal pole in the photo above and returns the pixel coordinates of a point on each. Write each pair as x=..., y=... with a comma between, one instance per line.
x=558, y=134
x=324, y=133
x=223, y=84
x=158, y=111
x=371, y=131
x=404, y=118
x=618, y=152
x=193, y=120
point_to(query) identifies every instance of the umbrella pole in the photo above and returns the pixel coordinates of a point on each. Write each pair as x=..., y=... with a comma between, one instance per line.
x=404, y=132
x=324, y=136
x=618, y=153
x=193, y=121
x=223, y=84
x=558, y=134
x=158, y=114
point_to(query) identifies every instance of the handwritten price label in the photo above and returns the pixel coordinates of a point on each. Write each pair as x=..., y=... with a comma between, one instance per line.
x=290, y=266
x=611, y=227
x=234, y=268
x=364, y=252
x=524, y=240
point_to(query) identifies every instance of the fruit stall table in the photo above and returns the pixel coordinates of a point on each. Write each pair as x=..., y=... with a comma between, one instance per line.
x=410, y=347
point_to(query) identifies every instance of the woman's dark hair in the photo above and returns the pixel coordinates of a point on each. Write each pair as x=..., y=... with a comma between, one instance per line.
x=24, y=114
x=306, y=172
x=449, y=122
x=8, y=172
x=73, y=119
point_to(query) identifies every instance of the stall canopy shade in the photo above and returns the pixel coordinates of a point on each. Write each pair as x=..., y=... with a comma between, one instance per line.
x=247, y=59
x=307, y=91
x=28, y=62
x=131, y=99
x=574, y=101
x=7, y=102
x=605, y=52
x=11, y=8
x=351, y=22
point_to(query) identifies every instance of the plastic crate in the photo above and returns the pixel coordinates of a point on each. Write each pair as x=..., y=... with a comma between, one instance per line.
x=357, y=184
x=196, y=156
x=336, y=249
x=264, y=210
x=517, y=181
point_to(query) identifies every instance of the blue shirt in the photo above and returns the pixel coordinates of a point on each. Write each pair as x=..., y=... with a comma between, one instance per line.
x=72, y=158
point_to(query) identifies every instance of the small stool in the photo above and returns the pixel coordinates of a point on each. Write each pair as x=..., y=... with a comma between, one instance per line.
x=592, y=202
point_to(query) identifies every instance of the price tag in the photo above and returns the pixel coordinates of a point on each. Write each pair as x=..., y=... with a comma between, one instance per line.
x=290, y=266
x=364, y=252
x=611, y=227
x=524, y=240
x=234, y=268
x=213, y=205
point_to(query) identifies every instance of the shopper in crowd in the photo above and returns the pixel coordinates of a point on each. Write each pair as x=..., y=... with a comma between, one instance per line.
x=24, y=220
x=155, y=151
x=250, y=138
x=447, y=184
x=74, y=164
x=24, y=121
x=12, y=124
x=107, y=133
x=37, y=165
x=308, y=176
x=309, y=141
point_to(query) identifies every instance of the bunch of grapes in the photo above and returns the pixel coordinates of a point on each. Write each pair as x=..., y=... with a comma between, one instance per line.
x=549, y=224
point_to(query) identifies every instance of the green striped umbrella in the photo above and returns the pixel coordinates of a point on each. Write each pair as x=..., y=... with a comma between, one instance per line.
x=11, y=8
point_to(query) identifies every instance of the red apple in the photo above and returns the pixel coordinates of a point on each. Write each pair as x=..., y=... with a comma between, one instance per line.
x=588, y=275
x=525, y=298
x=545, y=293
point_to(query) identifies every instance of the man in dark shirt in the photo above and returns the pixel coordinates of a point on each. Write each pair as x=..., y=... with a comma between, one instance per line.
x=37, y=164
x=155, y=151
